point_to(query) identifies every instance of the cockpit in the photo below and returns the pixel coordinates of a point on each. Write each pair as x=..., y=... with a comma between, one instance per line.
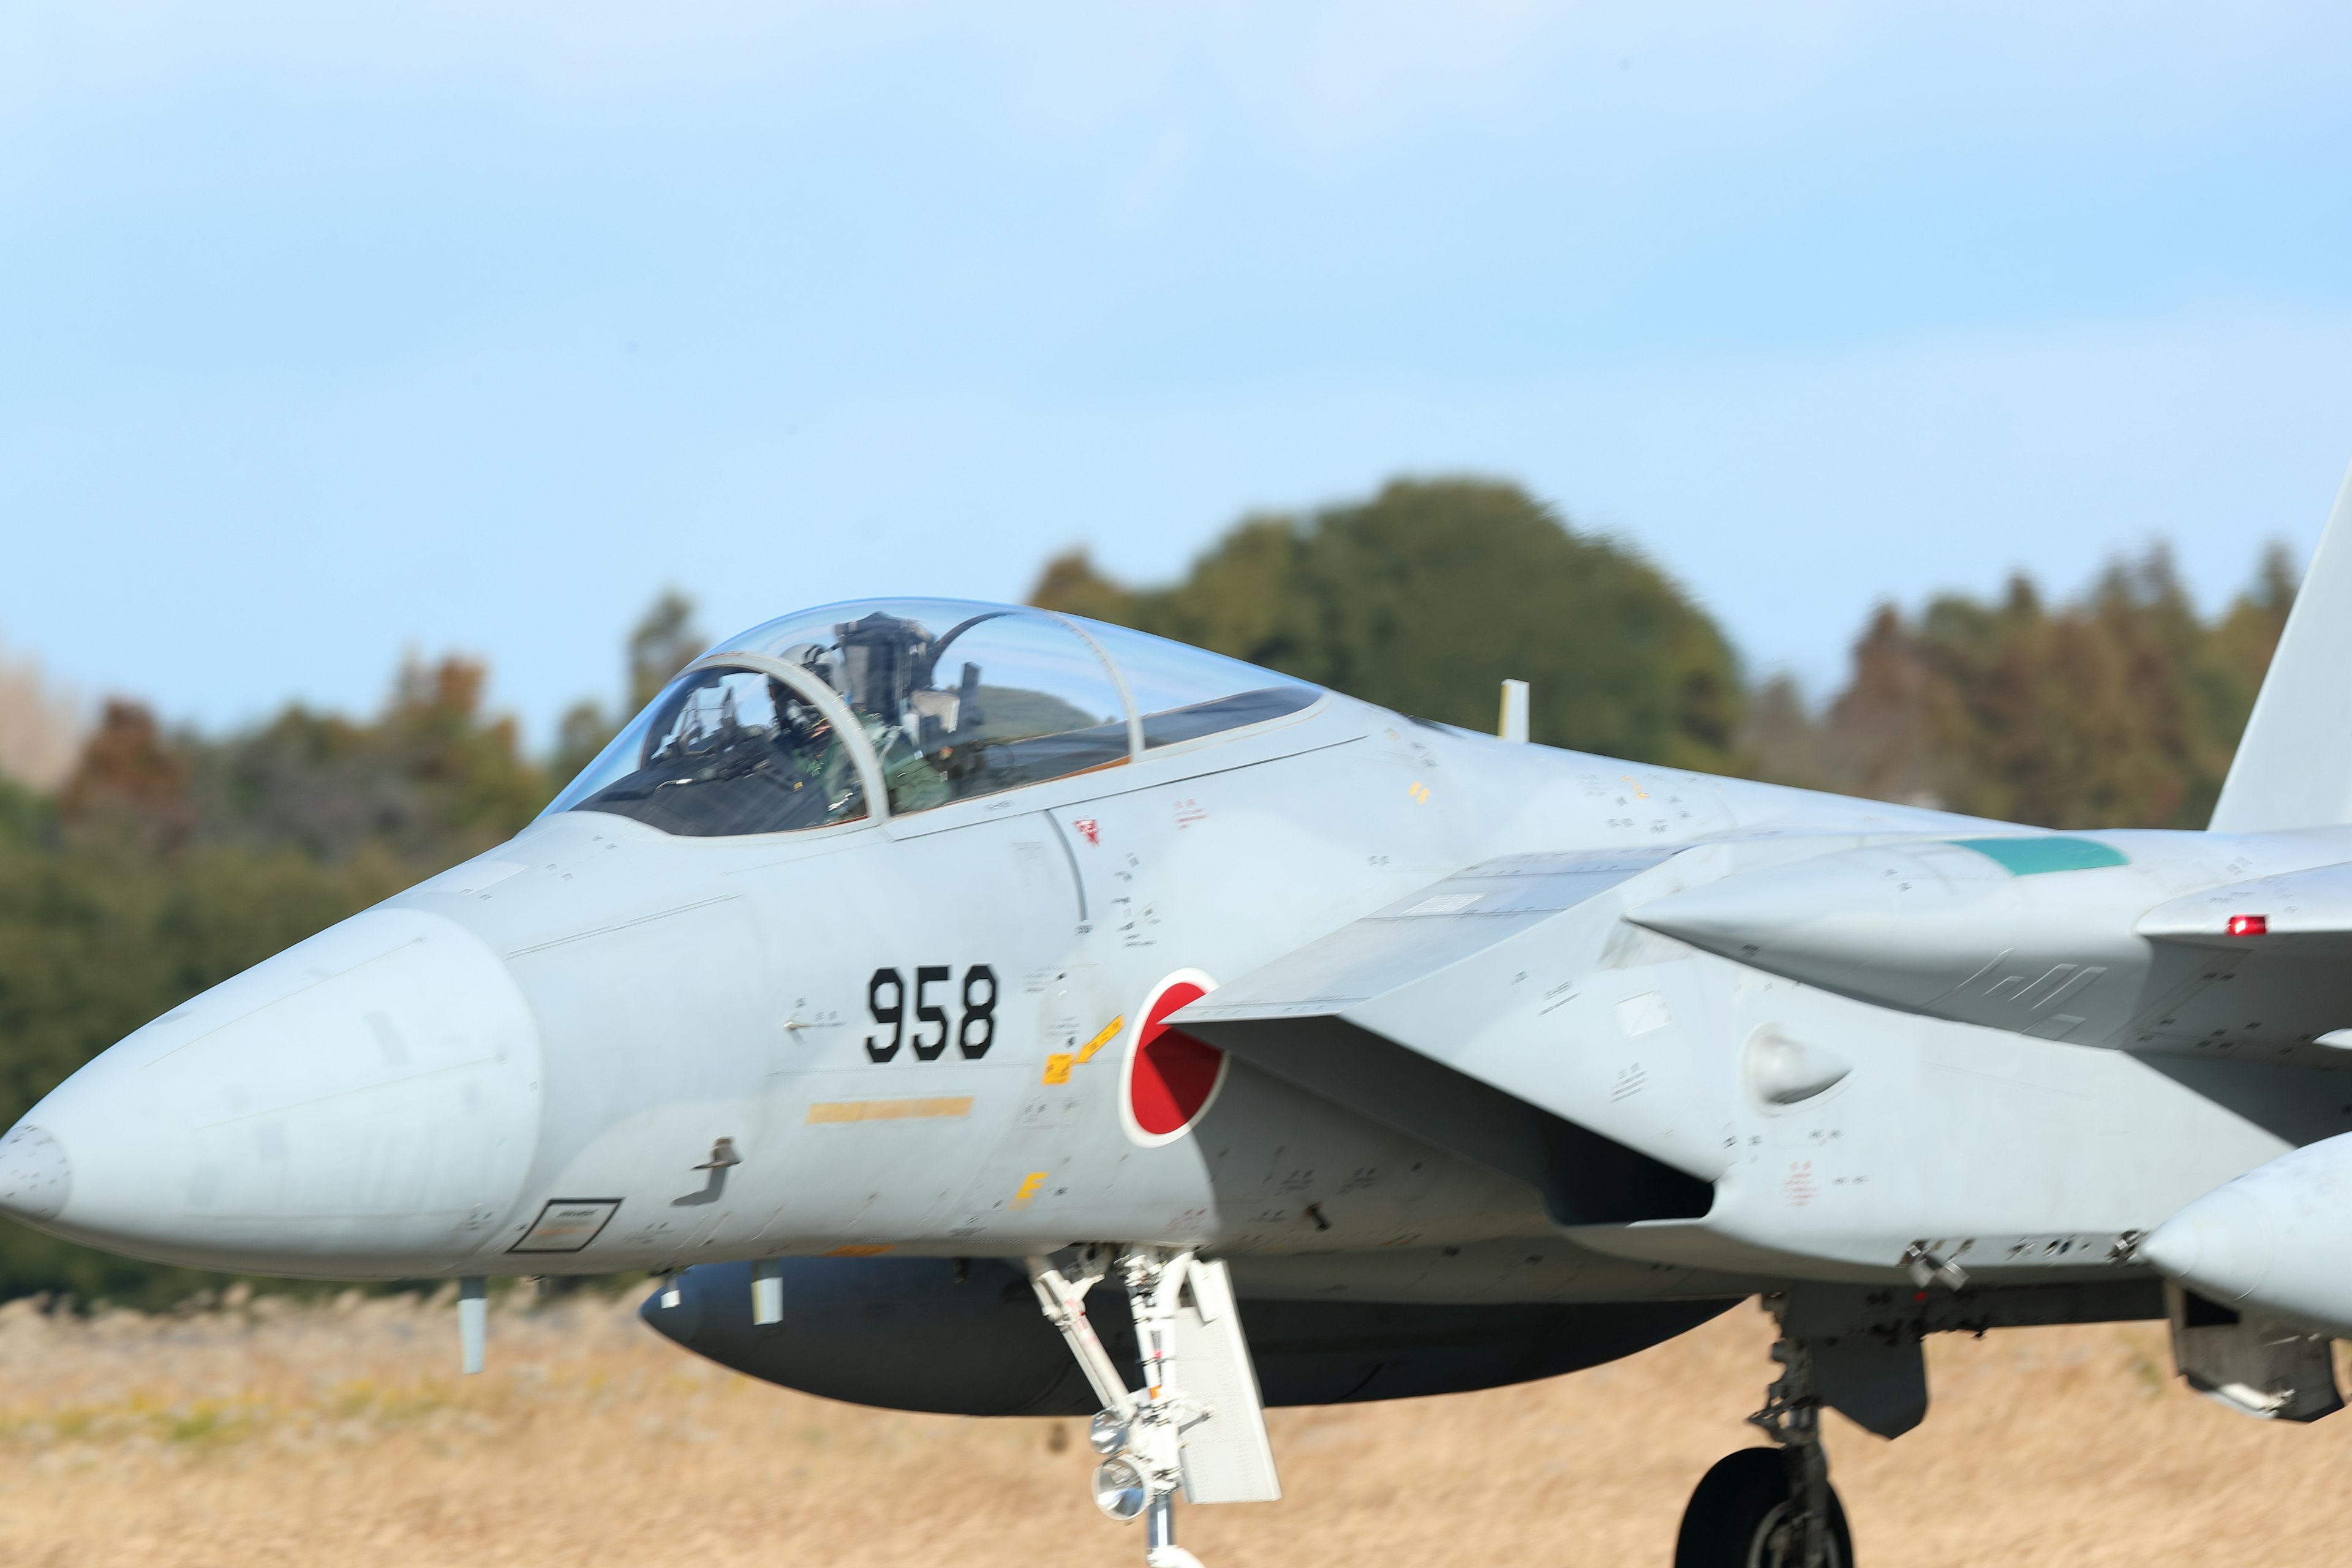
x=808, y=719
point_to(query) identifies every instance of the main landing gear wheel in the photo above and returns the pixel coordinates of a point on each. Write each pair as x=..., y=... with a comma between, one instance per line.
x=1772, y=1508
x=1744, y=1514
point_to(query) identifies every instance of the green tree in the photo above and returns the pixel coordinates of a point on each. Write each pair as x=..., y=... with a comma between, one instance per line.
x=431, y=780
x=1427, y=597
x=2119, y=710
x=26, y=817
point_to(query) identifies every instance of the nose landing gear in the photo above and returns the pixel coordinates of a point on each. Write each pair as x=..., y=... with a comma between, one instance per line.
x=1771, y=1508
x=1198, y=1423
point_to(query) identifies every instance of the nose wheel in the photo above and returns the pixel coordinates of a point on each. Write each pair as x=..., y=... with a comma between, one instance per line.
x=1771, y=1508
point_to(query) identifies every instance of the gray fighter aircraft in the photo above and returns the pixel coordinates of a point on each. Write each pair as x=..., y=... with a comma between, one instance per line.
x=908, y=970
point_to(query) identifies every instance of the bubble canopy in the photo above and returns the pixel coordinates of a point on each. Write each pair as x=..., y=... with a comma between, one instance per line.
x=806, y=720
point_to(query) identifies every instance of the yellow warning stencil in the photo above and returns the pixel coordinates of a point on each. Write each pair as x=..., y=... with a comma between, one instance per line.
x=1057, y=1066
x=1109, y=1032
x=1028, y=1189
x=945, y=1108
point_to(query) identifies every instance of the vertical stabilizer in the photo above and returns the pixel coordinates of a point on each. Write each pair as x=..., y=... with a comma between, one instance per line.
x=2293, y=768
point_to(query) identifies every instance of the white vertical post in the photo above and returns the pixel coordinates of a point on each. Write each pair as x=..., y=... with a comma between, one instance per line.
x=1513, y=726
x=473, y=1321
x=768, y=1290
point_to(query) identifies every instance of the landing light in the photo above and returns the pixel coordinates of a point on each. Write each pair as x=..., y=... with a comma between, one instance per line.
x=1121, y=1490
x=1107, y=1433
x=2250, y=925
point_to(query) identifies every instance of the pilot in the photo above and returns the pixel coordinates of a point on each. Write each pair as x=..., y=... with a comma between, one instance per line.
x=811, y=753
x=912, y=778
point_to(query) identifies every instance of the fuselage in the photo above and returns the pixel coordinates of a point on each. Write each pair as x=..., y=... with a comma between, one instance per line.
x=611, y=1046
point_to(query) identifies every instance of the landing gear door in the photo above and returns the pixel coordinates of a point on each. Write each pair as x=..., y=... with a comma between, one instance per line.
x=2272, y=1371
x=1225, y=1453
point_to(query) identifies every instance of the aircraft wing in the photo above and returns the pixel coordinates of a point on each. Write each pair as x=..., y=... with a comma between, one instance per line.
x=2283, y=992
x=1390, y=1016
x=1469, y=915
x=1434, y=1015
x=2304, y=913
x=2084, y=940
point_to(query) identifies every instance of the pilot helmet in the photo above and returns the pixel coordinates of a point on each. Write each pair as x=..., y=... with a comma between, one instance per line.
x=819, y=660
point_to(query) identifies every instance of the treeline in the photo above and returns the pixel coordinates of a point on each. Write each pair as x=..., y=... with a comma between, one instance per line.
x=1427, y=597
x=165, y=861
x=2120, y=709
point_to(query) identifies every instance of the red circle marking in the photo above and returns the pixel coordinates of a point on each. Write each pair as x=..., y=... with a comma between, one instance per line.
x=1173, y=1071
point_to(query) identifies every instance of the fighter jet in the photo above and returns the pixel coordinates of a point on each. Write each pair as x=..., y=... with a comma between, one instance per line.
x=972, y=1008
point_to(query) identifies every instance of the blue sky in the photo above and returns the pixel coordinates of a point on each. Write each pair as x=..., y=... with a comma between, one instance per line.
x=326, y=333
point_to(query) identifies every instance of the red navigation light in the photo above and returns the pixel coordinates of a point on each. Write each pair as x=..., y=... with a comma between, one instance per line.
x=2250, y=925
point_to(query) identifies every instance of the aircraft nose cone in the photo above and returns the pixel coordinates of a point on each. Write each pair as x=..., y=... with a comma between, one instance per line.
x=366, y=1103
x=35, y=1177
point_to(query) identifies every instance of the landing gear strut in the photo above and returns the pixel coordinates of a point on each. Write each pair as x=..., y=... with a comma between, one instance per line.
x=1140, y=1434
x=1771, y=1508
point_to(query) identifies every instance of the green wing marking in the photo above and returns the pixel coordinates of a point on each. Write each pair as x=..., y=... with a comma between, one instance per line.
x=2032, y=856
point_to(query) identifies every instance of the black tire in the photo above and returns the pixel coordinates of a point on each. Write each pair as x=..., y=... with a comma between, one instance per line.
x=1739, y=1504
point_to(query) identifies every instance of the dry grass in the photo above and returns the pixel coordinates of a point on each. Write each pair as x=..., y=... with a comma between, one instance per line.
x=280, y=1434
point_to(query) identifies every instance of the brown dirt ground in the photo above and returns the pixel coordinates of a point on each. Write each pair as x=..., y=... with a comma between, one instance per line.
x=272, y=1432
